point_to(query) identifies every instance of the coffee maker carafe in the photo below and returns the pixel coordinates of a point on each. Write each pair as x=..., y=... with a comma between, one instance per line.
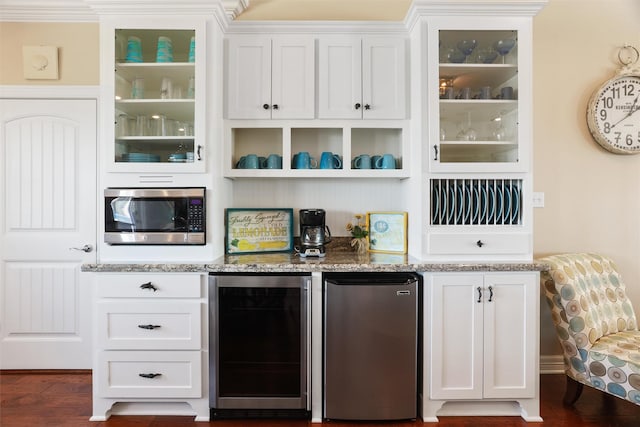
x=313, y=232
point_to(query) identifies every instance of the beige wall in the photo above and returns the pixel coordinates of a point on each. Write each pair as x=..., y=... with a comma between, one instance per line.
x=78, y=53
x=592, y=197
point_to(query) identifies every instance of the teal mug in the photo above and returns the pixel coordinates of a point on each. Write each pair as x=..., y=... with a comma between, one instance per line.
x=273, y=161
x=387, y=161
x=250, y=161
x=328, y=160
x=363, y=161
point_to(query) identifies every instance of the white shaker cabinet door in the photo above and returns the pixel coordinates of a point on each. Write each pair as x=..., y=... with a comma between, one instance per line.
x=456, y=336
x=340, y=78
x=383, y=78
x=510, y=335
x=293, y=78
x=271, y=78
x=249, y=78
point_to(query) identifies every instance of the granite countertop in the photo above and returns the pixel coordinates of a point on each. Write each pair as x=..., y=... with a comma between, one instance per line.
x=332, y=262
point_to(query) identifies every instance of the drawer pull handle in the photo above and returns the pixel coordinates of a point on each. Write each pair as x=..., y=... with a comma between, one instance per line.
x=490, y=293
x=148, y=285
x=480, y=243
x=149, y=375
x=150, y=327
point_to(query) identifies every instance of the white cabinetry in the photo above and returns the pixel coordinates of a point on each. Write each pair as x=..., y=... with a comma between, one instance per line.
x=345, y=139
x=270, y=78
x=478, y=132
x=481, y=335
x=154, y=106
x=151, y=344
x=362, y=77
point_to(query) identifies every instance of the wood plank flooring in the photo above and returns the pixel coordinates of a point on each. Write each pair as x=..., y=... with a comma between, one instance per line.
x=63, y=399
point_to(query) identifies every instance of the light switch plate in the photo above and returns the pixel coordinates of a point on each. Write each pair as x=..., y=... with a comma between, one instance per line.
x=538, y=200
x=40, y=62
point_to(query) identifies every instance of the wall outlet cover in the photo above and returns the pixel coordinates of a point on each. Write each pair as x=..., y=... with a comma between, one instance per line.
x=40, y=62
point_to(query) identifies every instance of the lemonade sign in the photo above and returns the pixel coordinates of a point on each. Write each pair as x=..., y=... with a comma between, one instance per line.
x=259, y=230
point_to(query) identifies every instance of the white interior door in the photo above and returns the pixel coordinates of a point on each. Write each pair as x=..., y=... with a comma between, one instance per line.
x=48, y=207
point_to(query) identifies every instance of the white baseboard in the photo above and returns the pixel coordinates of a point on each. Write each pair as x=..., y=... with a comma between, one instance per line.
x=551, y=364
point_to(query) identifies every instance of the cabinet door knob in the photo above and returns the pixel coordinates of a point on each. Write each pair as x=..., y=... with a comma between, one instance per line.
x=367, y=106
x=275, y=106
x=358, y=106
x=150, y=327
x=265, y=106
x=480, y=243
x=148, y=285
x=149, y=375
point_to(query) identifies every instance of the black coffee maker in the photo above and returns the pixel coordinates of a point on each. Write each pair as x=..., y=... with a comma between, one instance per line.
x=313, y=232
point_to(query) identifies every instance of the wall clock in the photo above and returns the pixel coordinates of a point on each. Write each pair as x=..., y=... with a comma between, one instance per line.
x=612, y=112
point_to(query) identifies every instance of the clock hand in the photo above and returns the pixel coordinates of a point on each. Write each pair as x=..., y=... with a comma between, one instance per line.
x=632, y=110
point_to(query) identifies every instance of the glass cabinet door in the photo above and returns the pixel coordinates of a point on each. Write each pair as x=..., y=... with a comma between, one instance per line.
x=478, y=101
x=156, y=112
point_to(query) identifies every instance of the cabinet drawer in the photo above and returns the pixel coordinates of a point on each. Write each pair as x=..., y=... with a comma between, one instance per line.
x=479, y=243
x=146, y=374
x=162, y=325
x=149, y=285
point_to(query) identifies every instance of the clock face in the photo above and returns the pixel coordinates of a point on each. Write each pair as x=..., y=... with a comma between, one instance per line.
x=613, y=117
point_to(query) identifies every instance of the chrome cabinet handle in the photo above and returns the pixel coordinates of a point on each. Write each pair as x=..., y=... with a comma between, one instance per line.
x=479, y=289
x=150, y=327
x=149, y=375
x=85, y=248
x=148, y=285
x=490, y=293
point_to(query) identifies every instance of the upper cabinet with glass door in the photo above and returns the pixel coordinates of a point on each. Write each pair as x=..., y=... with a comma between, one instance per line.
x=157, y=86
x=481, y=108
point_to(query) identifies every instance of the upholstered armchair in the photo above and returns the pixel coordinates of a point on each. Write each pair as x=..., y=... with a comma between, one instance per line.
x=595, y=324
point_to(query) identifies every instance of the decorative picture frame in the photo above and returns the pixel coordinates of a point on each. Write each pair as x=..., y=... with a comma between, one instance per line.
x=387, y=232
x=254, y=230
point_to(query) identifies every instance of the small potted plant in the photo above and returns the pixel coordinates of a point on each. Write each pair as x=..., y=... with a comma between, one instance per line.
x=359, y=234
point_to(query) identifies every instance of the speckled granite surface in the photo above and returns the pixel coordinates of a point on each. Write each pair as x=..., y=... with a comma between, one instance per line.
x=338, y=261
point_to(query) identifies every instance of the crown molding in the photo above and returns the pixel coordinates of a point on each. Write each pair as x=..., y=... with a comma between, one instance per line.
x=420, y=8
x=46, y=11
x=90, y=10
x=314, y=27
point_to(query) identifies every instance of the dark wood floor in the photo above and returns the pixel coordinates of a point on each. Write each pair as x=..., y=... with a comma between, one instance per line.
x=63, y=399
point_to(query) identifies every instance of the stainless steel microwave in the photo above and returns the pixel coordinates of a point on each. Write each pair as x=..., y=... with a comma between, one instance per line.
x=155, y=216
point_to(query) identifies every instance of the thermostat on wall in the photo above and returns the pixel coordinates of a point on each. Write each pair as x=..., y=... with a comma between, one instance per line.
x=40, y=62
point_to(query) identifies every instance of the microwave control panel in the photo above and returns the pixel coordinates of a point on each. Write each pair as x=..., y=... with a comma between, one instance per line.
x=196, y=215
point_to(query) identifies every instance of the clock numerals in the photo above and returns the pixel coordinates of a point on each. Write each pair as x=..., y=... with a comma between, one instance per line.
x=613, y=114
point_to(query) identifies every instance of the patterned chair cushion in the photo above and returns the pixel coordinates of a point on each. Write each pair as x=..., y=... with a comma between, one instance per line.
x=595, y=322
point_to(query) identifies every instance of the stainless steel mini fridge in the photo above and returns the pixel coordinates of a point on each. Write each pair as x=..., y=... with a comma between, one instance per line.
x=371, y=346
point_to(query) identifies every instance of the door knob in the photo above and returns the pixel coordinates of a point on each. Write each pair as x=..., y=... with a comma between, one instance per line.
x=85, y=248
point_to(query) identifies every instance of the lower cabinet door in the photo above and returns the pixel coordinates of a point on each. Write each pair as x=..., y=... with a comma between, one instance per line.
x=150, y=374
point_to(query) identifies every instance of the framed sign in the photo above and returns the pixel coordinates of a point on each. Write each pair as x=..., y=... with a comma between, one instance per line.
x=258, y=230
x=387, y=232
